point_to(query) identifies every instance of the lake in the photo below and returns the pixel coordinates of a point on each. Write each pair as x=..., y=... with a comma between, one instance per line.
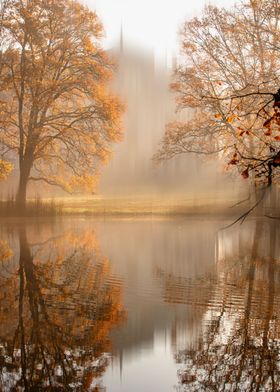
x=139, y=305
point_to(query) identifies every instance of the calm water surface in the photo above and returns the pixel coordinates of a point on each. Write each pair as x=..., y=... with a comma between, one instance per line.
x=139, y=305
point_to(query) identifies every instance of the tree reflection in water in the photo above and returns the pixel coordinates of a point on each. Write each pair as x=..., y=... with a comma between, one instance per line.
x=57, y=308
x=239, y=345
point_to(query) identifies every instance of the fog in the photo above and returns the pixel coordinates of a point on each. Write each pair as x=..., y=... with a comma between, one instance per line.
x=143, y=84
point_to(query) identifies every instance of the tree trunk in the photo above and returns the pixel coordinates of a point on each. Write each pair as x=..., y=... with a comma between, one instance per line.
x=22, y=187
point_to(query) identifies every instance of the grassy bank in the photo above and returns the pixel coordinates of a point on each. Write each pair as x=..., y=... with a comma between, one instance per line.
x=122, y=207
x=119, y=206
x=34, y=207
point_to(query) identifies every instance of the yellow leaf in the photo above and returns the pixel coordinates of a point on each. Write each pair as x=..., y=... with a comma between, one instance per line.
x=231, y=118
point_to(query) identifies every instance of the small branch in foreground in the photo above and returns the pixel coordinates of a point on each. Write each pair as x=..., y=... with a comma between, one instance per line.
x=245, y=214
x=241, y=202
x=272, y=217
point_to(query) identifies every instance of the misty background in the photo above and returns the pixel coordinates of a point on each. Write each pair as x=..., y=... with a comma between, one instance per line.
x=146, y=58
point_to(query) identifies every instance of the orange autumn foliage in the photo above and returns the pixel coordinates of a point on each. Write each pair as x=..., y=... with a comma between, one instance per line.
x=227, y=80
x=58, y=117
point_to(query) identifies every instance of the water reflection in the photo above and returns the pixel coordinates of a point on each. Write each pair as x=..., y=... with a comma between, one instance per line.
x=238, y=348
x=70, y=319
x=58, y=303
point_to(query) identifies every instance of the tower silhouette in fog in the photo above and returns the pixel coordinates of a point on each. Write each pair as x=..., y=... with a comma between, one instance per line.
x=144, y=87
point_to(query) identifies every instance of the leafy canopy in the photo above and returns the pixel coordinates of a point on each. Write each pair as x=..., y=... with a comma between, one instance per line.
x=228, y=80
x=56, y=113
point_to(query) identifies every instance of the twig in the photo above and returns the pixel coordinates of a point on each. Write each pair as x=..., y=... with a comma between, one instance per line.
x=272, y=217
x=240, y=202
x=244, y=216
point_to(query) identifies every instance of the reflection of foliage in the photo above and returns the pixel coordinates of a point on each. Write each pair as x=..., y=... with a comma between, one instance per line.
x=5, y=251
x=56, y=336
x=238, y=348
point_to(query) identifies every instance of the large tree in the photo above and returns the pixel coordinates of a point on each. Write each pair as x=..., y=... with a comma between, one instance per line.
x=228, y=80
x=56, y=112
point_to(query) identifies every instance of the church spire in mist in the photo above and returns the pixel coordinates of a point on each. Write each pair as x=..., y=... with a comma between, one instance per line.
x=121, y=39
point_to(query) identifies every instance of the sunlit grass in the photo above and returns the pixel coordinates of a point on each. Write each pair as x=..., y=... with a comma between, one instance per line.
x=34, y=207
x=144, y=205
x=130, y=205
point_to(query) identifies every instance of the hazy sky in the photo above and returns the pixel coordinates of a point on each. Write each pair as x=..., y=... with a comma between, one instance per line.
x=150, y=24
